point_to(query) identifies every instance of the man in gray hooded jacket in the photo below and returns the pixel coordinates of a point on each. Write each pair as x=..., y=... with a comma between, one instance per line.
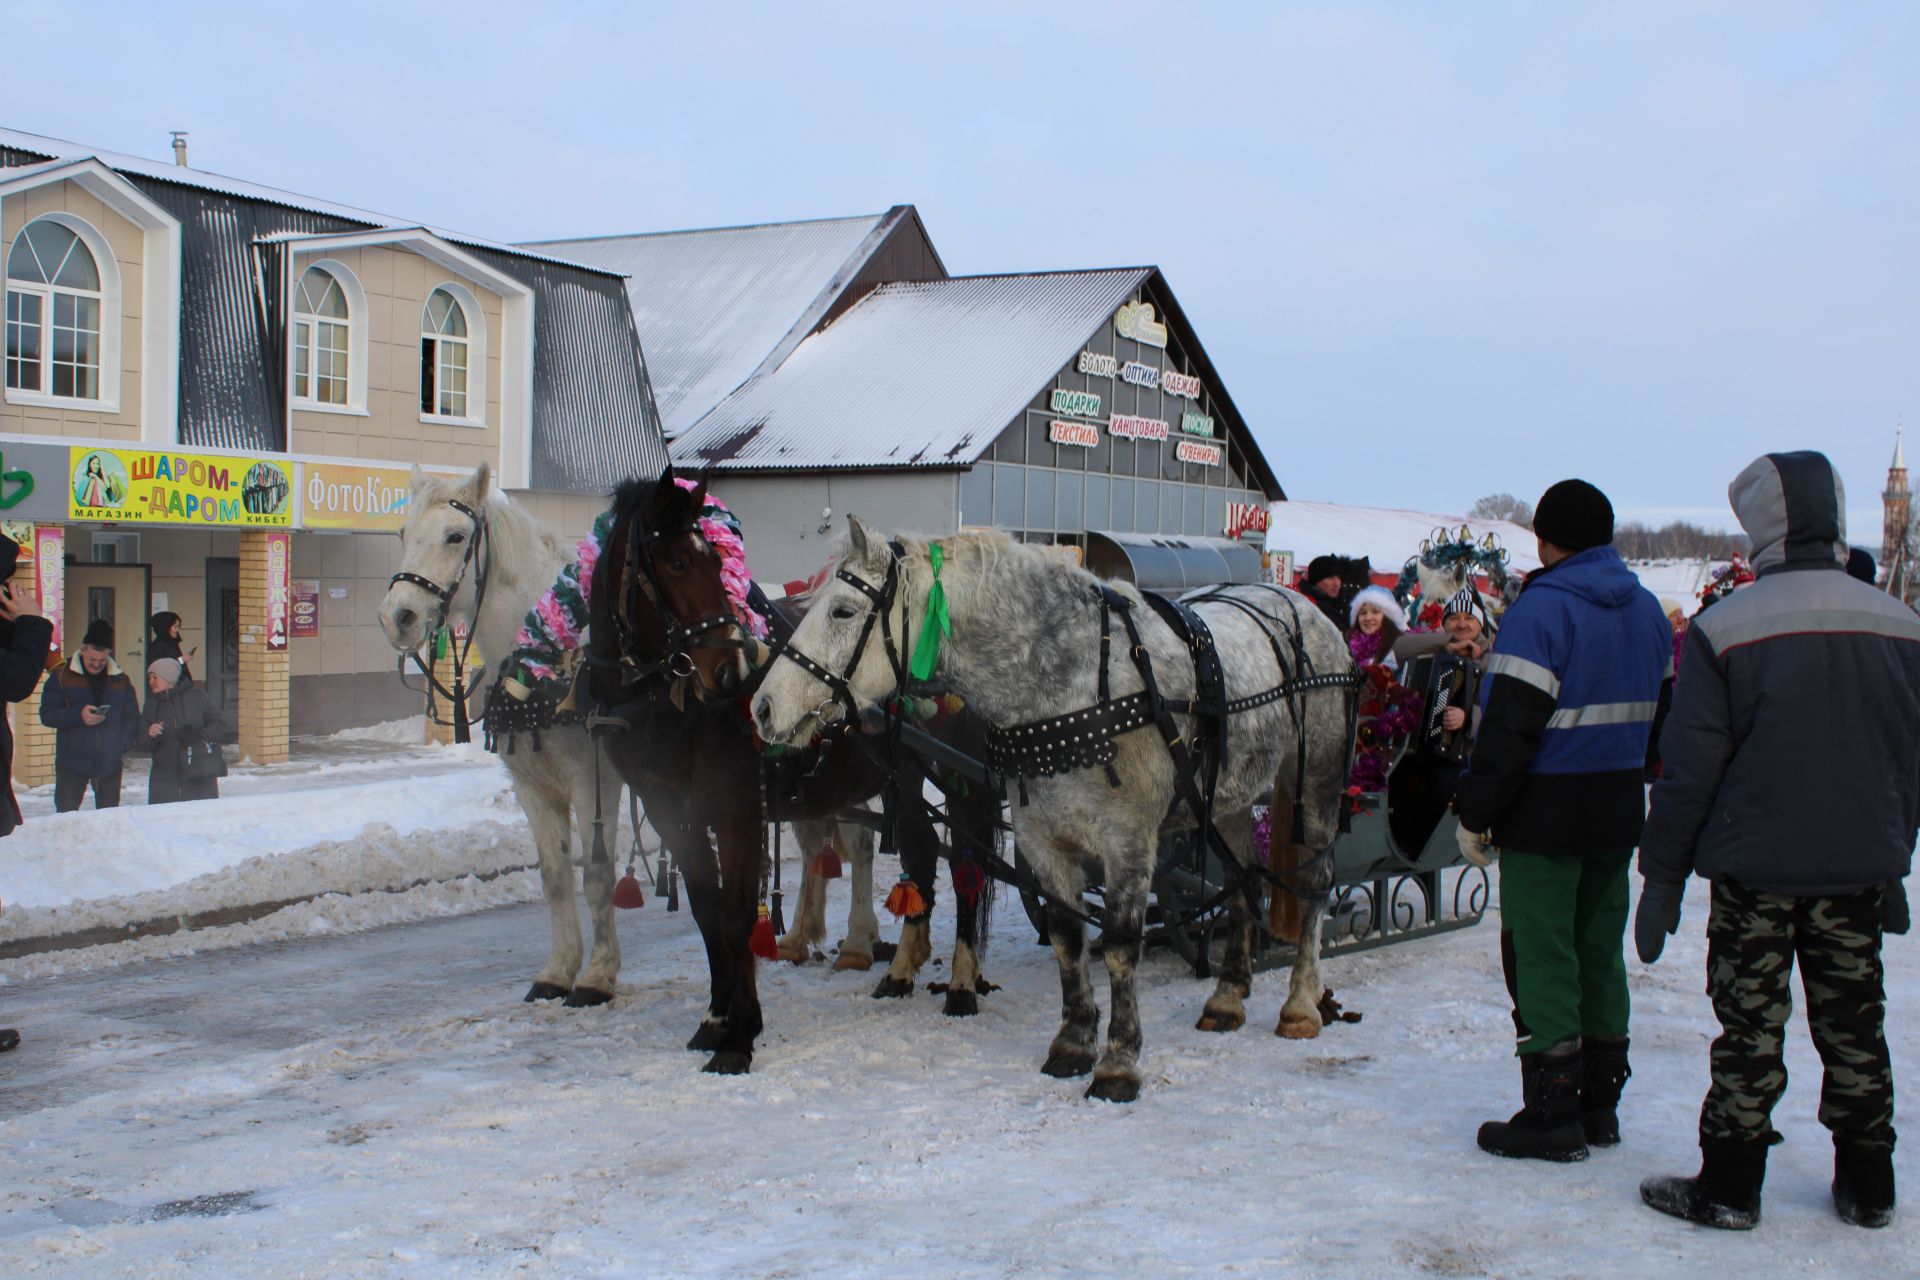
x=1792, y=782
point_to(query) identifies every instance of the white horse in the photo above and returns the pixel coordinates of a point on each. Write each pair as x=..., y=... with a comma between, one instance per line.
x=456, y=532
x=1025, y=647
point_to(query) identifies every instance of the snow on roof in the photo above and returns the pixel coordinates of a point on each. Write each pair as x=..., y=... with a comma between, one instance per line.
x=164, y=171
x=1678, y=580
x=712, y=305
x=1387, y=536
x=924, y=373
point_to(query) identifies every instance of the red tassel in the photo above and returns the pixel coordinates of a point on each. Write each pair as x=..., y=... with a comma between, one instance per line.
x=968, y=880
x=762, y=942
x=905, y=900
x=827, y=865
x=626, y=894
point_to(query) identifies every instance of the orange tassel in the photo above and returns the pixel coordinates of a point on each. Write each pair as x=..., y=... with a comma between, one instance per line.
x=905, y=900
x=762, y=942
x=626, y=894
x=827, y=865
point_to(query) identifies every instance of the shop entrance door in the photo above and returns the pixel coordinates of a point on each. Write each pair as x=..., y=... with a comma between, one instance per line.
x=120, y=594
x=223, y=637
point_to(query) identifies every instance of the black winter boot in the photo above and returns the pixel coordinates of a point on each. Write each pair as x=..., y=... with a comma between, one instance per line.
x=1548, y=1126
x=1606, y=1074
x=1863, y=1183
x=1725, y=1194
x=9, y=1039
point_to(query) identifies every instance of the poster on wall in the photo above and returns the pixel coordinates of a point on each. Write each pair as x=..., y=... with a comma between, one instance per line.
x=141, y=486
x=50, y=575
x=306, y=609
x=279, y=592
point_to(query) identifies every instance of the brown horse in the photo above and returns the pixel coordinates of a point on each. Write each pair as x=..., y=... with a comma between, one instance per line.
x=669, y=661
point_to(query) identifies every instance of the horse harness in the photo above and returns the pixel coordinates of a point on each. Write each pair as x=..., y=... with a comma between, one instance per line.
x=479, y=558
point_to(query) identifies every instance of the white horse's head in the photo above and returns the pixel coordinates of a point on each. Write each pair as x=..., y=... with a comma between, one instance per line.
x=793, y=703
x=438, y=543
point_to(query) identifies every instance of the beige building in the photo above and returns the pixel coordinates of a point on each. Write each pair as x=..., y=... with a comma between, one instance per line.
x=215, y=391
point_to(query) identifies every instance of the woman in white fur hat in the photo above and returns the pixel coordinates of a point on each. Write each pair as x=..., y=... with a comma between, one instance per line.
x=1378, y=620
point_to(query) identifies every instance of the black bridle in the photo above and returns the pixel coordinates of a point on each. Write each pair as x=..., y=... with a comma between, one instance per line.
x=681, y=637
x=880, y=602
x=479, y=558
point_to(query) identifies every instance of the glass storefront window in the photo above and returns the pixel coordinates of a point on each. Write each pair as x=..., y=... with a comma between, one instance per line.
x=1040, y=450
x=1193, y=521
x=976, y=495
x=1040, y=499
x=1146, y=506
x=1122, y=520
x=1012, y=445
x=1071, y=483
x=1100, y=457
x=1010, y=497
x=1097, y=508
x=1216, y=514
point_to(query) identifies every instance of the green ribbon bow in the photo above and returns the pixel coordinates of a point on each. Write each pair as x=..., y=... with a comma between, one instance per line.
x=926, y=653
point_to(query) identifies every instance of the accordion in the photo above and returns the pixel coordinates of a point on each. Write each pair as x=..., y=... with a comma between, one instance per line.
x=1443, y=680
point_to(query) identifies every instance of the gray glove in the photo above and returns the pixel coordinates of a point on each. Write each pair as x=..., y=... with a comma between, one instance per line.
x=1657, y=916
x=1475, y=847
x=1894, y=917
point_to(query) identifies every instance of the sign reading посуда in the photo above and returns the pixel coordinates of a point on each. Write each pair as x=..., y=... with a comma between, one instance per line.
x=142, y=486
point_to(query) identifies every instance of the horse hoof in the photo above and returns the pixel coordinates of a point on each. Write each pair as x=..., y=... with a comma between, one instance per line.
x=1066, y=1064
x=853, y=960
x=884, y=950
x=961, y=1003
x=1224, y=1021
x=545, y=991
x=708, y=1037
x=1295, y=1027
x=792, y=955
x=1114, y=1088
x=729, y=1062
x=892, y=988
x=587, y=998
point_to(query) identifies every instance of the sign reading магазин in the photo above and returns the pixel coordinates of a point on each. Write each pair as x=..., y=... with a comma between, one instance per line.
x=145, y=486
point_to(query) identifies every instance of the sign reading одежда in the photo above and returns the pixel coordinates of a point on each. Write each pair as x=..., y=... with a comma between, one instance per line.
x=144, y=486
x=279, y=591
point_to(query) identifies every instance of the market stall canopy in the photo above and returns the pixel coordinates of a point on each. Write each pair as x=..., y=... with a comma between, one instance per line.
x=1171, y=563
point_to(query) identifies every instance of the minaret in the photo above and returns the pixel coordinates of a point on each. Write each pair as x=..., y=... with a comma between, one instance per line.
x=1897, y=500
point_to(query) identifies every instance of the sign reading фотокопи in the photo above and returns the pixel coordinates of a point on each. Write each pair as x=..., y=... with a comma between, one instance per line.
x=146, y=486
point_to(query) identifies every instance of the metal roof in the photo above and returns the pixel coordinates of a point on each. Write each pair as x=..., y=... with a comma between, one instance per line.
x=920, y=374
x=713, y=305
x=1171, y=562
x=16, y=143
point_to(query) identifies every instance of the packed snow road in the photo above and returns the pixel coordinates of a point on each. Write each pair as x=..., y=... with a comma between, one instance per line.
x=381, y=1103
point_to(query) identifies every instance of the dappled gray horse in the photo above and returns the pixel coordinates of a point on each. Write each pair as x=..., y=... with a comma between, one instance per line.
x=1025, y=646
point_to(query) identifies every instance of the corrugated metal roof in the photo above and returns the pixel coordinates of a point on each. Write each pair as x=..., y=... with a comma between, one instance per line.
x=712, y=305
x=921, y=374
x=13, y=142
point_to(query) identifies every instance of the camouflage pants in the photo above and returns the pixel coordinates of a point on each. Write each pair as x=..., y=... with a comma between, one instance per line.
x=1753, y=939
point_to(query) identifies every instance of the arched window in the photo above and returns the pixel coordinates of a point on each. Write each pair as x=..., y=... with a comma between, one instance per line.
x=53, y=313
x=320, y=338
x=443, y=356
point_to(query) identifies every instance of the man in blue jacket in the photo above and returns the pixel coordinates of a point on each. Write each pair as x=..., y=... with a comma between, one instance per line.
x=1793, y=784
x=90, y=705
x=1554, y=787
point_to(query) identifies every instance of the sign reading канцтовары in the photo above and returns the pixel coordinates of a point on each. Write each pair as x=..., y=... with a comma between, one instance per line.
x=142, y=486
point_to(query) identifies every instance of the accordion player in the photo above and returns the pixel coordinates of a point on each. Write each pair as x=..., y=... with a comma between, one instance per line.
x=1444, y=680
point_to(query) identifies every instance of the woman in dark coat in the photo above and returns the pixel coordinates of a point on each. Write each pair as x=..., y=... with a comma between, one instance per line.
x=165, y=643
x=176, y=713
x=25, y=641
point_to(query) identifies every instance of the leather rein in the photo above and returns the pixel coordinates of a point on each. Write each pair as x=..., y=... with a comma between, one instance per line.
x=478, y=558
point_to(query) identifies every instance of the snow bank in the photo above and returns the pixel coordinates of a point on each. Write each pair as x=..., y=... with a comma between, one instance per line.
x=408, y=731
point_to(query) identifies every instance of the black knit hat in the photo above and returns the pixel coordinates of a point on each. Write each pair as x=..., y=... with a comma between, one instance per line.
x=1574, y=515
x=1860, y=564
x=1325, y=567
x=99, y=634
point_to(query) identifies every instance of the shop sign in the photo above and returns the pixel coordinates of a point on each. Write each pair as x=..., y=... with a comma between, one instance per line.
x=279, y=590
x=1280, y=568
x=143, y=486
x=1095, y=365
x=1126, y=426
x=33, y=482
x=1206, y=455
x=1135, y=320
x=1081, y=404
x=16, y=485
x=306, y=609
x=50, y=575
x=1197, y=424
x=1184, y=385
x=1140, y=375
x=1246, y=517
x=344, y=496
x=1082, y=435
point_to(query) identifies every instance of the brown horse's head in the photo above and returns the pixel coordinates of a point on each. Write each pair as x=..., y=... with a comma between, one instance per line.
x=658, y=600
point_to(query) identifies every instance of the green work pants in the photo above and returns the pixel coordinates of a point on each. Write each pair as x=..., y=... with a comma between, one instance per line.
x=1562, y=921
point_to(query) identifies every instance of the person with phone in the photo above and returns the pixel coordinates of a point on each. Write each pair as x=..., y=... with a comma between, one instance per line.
x=26, y=639
x=91, y=706
x=167, y=643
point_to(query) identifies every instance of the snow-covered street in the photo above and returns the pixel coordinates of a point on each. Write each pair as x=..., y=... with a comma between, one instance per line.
x=383, y=1104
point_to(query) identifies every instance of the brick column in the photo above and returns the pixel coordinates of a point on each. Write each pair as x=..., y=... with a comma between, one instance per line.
x=33, y=741
x=264, y=674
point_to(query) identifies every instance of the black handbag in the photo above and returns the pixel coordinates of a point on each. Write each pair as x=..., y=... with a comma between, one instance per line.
x=201, y=760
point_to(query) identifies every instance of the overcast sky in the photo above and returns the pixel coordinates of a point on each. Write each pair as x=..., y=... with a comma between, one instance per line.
x=1436, y=250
